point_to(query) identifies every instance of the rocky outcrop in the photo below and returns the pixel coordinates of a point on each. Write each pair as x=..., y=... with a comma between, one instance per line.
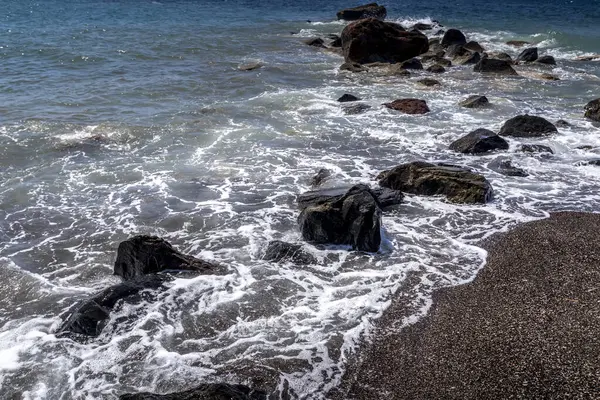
x=370, y=40
x=479, y=141
x=504, y=166
x=278, y=251
x=372, y=10
x=457, y=184
x=492, y=65
x=409, y=106
x=206, y=391
x=535, y=148
x=341, y=216
x=527, y=126
x=592, y=110
x=548, y=60
x=346, y=97
x=142, y=255
x=475, y=101
x=528, y=55
x=453, y=36
x=422, y=27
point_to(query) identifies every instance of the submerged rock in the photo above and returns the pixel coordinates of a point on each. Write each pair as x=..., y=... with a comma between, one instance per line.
x=453, y=36
x=370, y=40
x=503, y=165
x=527, y=126
x=548, y=77
x=492, y=65
x=475, y=101
x=549, y=60
x=206, y=391
x=250, y=66
x=355, y=108
x=459, y=185
x=352, y=67
x=316, y=42
x=436, y=69
x=409, y=106
x=517, y=43
x=278, y=251
x=422, y=27
x=320, y=177
x=562, y=123
x=592, y=110
x=372, y=10
x=142, y=255
x=535, y=148
x=347, y=98
x=428, y=82
x=528, y=55
x=479, y=141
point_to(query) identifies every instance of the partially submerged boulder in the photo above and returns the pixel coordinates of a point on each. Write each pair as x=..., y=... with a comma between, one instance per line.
x=409, y=106
x=453, y=36
x=528, y=126
x=206, y=391
x=436, y=69
x=474, y=47
x=278, y=251
x=352, y=67
x=492, y=65
x=459, y=185
x=535, y=148
x=316, y=42
x=142, y=255
x=548, y=60
x=413, y=63
x=370, y=40
x=475, y=101
x=429, y=82
x=372, y=10
x=592, y=110
x=517, y=43
x=469, y=58
x=504, y=166
x=479, y=141
x=528, y=55
x=320, y=177
x=346, y=97
x=355, y=108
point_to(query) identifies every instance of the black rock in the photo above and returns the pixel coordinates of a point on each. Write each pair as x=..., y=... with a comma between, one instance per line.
x=279, y=251
x=470, y=58
x=504, y=166
x=341, y=216
x=320, y=177
x=479, y=141
x=352, y=67
x=356, y=108
x=422, y=27
x=413, y=63
x=347, y=97
x=592, y=110
x=337, y=42
x=388, y=197
x=142, y=255
x=453, y=36
x=315, y=42
x=535, y=148
x=492, y=65
x=546, y=60
x=527, y=126
x=528, y=55
x=475, y=101
x=207, y=391
x=436, y=69
x=372, y=10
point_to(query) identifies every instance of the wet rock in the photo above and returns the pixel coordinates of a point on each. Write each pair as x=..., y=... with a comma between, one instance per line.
x=457, y=184
x=527, y=126
x=457, y=50
x=490, y=65
x=320, y=177
x=339, y=216
x=436, y=69
x=352, y=67
x=316, y=42
x=549, y=60
x=528, y=55
x=422, y=27
x=517, y=43
x=91, y=316
x=371, y=40
x=498, y=55
x=413, y=63
x=548, y=77
x=588, y=58
x=595, y=163
x=470, y=58
x=206, y=391
x=142, y=255
x=535, y=148
x=250, y=66
x=397, y=70
x=474, y=47
x=475, y=101
x=503, y=165
x=592, y=110
x=346, y=97
x=429, y=82
x=336, y=40
x=409, y=106
x=353, y=109
x=479, y=141
x=278, y=251
x=372, y=10
x=453, y=36
x=561, y=123
x=388, y=197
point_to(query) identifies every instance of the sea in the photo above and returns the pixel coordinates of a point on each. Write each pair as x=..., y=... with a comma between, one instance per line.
x=125, y=117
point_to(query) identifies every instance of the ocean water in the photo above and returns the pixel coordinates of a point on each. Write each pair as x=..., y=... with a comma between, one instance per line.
x=127, y=117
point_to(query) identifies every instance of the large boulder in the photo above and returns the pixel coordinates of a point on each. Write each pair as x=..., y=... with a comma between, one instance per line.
x=527, y=126
x=453, y=36
x=459, y=185
x=479, y=141
x=409, y=106
x=370, y=40
x=341, y=216
x=372, y=10
x=475, y=101
x=90, y=316
x=592, y=110
x=528, y=55
x=142, y=255
x=278, y=251
x=492, y=65
x=206, y=391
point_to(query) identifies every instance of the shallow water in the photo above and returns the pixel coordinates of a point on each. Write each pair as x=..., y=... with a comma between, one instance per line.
x=125, y=118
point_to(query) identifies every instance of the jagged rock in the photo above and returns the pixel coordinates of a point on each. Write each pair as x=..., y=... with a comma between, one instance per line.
x=316, y=42
x=490, y=65
x=352, y=67
x=453, y=36
x=370, y=40
x=479, y=141
x=142, y=255
x=535, y=148
x=339, y=216
x=409, y=106
x=413, y=63
x=503, y=165
x=436, y=69
x=474, y=47
x=346, y=97
x=528, y=55
x=206, y=391
x=527, y=126
x=353, y=109
x=517, y=43
x=372, y=10
x=475, y=101
x=278, y=251
x=592, y=110
x=549, y=60
x=320, y=177
x=457, y=184
x=428, y=82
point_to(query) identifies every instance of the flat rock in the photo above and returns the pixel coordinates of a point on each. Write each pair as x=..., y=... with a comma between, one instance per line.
x=592, y=110
x=479, y=141
x=278, y=251
x=527, y=126
x=475, y=101
x=491, y=65
x=409, y=106
x=372, y=10
x=206, y=391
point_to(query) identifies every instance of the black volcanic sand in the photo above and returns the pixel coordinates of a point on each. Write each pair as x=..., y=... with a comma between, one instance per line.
x=527, y=327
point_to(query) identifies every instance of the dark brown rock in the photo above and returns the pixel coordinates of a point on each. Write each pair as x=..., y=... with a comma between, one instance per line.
x=479, y=141
x=372, y=10
x=409, y=106
x=527, y=126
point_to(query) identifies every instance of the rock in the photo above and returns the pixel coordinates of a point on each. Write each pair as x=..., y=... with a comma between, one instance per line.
x=585, y=147
x=320, y=177
x=527, y=126
x=474, y=47
x=549, y=60
x=490, y=65
x=316, y=42
x=517, y=43
x=353, y=109
x=371, y=40
x=388, y=197
x=409, y=106
x=372, y=10
x=503, y=165
x=592, y=110
x=587, y=58
x=475, y=101
x=535, y=148
x=350, y=217
x=428, y=82
x=528, y=55
x=90, y=316
x=347, y=97
x=413, y=63
x=397, y=70
x=470, y=58
x=337, y=42
x=352, y=67
x=206, y=391
x=498, y=55
x=143, y=255
x=278, y=251
x=436, y=69
x=562, y=123
x=595, y=163
x=457, y=184
x=548, y=77
x=457, y=50
x=422, y=27
x=453, y=36
x=250, y=66
x=479, y=141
